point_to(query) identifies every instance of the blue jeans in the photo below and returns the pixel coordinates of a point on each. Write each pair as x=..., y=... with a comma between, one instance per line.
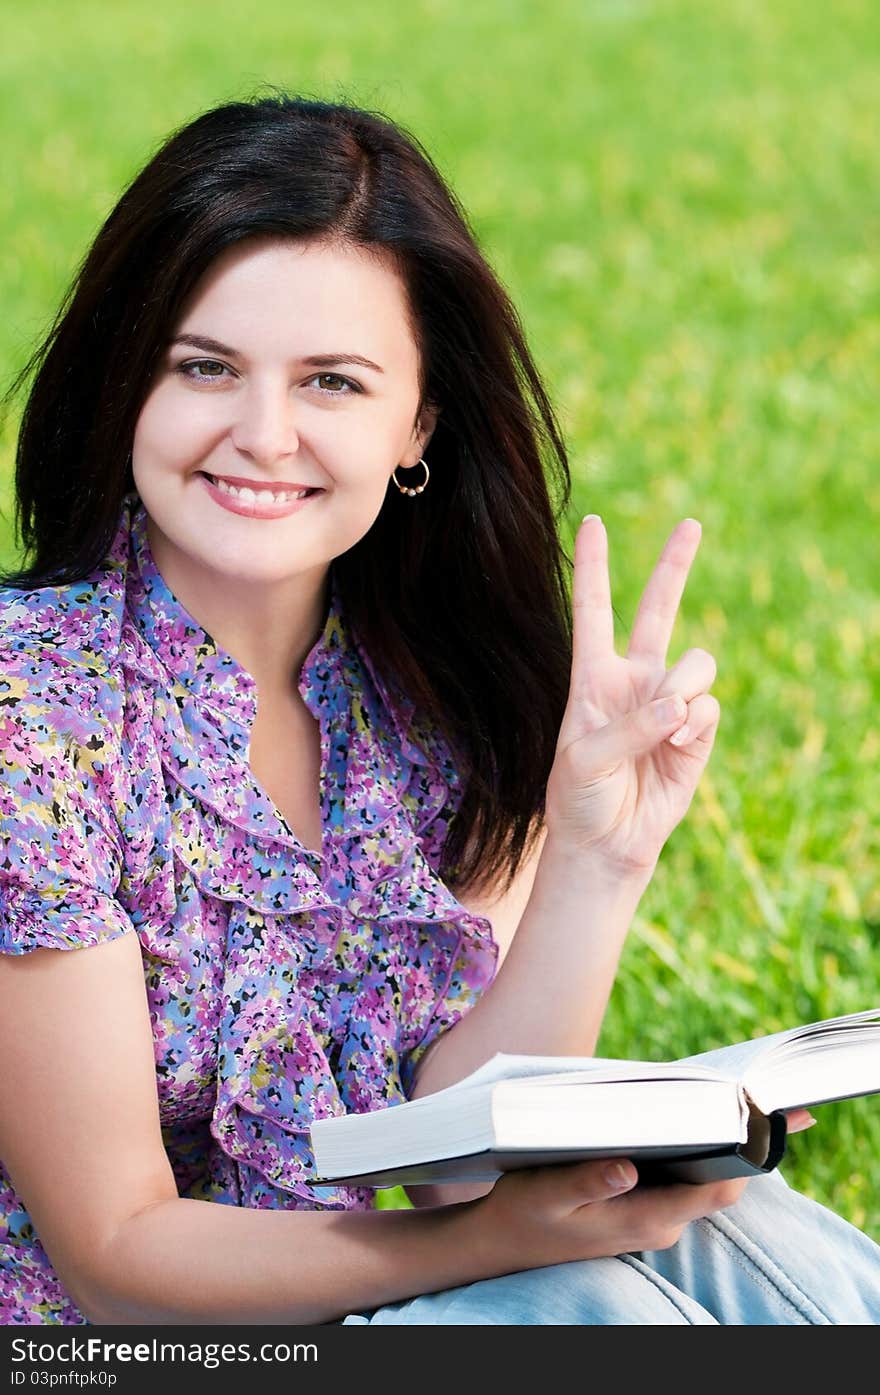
x=774, y=1257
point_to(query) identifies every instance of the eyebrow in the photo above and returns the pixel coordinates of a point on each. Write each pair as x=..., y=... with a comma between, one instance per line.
x=200, y=341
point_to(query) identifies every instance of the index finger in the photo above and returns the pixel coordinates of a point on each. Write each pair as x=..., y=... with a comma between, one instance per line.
x=678, y=1203
x=592, y=617
x=661, y=598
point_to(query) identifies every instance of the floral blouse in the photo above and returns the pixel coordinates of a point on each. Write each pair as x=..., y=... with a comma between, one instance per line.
x=284, y=984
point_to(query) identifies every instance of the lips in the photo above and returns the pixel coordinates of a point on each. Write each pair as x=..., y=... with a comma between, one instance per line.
x=273, y=487
x=256, y=504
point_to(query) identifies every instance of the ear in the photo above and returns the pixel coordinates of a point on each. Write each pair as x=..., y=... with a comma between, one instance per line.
x=421, y=434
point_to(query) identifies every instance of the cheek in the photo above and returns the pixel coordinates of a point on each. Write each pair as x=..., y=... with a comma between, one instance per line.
x=366, y=447
x=168, y=429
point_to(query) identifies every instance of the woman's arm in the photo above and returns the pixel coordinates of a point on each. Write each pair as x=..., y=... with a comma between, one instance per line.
x=81, y=1138
x=634, y=740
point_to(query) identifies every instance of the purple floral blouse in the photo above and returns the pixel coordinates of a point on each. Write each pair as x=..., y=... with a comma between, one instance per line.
x=284, y=985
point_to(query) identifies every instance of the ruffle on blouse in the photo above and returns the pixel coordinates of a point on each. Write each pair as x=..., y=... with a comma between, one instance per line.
x=367, y=919
x=64, y=917
x=275, y=1073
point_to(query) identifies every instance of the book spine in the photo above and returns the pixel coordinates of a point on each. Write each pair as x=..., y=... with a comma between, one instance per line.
x=720, y=1164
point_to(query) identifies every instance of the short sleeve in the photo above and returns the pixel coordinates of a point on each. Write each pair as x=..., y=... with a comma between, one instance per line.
x=60, y=856
x=451, y=966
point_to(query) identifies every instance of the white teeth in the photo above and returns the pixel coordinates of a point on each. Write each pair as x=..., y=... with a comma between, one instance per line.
x=251, y=495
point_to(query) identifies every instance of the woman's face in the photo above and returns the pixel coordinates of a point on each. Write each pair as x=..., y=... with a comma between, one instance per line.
x=255, y=405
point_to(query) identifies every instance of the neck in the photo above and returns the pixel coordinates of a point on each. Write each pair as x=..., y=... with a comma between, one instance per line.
x=268, y=628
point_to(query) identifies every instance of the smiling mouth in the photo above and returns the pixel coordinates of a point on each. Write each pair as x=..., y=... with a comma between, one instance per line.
x=260, y=492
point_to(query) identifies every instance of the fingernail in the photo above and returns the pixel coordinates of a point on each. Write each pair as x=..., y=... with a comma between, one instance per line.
x=669, y=709
x=812, y=1121
x=587, y=516
x=620, y=1176
x=678, y=738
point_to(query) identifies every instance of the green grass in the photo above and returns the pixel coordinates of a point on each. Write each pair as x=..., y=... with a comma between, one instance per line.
x=682, y=200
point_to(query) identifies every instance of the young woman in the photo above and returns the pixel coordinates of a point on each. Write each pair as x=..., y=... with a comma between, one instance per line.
x=295, y=732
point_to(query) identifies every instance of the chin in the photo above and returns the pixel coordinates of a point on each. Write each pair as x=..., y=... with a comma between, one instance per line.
x=256, y=571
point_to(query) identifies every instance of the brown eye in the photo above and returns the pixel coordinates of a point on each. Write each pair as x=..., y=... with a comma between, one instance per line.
x=188, y=369
x=349, y=386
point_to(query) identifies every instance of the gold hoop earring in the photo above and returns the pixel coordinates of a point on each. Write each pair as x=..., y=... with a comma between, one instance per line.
x=419, y=487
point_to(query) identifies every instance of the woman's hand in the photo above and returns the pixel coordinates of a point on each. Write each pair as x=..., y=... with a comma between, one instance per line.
x=635, y=736
x=550, y=1215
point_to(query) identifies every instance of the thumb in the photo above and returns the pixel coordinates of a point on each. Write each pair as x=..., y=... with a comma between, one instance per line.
x=599, y=1180
x=637, y=732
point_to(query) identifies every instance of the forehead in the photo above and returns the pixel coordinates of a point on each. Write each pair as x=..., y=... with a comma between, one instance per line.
x=294, y=297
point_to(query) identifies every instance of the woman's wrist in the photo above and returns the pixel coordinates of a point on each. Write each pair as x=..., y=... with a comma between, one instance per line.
x=591, y=868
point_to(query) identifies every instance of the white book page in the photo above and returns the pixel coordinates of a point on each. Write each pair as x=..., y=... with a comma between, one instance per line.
x=734, y=1060
x=562, y=1070
x=832, y=1072
x=727, y=1061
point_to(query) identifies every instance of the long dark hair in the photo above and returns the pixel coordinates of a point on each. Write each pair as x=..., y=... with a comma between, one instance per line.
x=460, y=596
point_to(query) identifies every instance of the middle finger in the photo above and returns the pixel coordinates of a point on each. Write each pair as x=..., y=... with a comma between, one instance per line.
x=658, y=607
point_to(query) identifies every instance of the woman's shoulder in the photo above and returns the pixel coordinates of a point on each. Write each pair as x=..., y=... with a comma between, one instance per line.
x=60, y=656
x=72, y=618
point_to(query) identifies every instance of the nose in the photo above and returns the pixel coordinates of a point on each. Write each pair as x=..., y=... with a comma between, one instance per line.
x=264, y=427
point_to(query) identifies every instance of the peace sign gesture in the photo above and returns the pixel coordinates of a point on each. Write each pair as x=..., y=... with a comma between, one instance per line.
x=635, y=736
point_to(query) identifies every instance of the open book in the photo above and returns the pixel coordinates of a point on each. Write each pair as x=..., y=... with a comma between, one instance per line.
x=715, y=1115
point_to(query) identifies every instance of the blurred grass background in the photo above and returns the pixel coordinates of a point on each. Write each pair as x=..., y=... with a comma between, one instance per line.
x=683, y=202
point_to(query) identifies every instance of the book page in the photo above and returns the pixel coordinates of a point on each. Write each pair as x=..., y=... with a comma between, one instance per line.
x=730, y=1062
x=733, y=1061
x=831, y=1069
x=565, y=1069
